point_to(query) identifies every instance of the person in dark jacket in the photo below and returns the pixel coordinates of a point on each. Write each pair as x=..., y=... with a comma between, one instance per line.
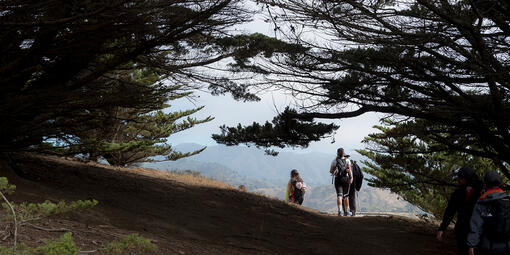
x=352, y=199
x=485, y=218
x=462, y=202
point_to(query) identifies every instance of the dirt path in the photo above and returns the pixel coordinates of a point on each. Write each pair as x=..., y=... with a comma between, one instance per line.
x=194, y=219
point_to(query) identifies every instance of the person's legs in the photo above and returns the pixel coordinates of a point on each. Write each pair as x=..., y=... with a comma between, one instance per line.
x=461, y=238
x=300, y=201
x=345, y=189
x=345, y=206
x=339, y=195
x=352, y=200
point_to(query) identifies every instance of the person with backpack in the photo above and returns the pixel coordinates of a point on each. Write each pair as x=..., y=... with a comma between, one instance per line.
x=490, y=222
x=341, y=171
x=295, y=188
x=462, y=202
x=355, y=186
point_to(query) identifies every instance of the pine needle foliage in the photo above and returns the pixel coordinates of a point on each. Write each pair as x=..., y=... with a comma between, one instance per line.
x=67, y=66
x=283, y=131
x=442, y=61
x=417, y=170
x=131, y=244
x=61, y=246
x=27, y=213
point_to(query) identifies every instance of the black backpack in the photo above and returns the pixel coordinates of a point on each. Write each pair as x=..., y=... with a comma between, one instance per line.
x=341, y=167
x=358, y=175
x=497, y=222
x=298, y=193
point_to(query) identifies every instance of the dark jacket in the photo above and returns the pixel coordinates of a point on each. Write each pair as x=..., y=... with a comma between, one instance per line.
x=476, y=237
x=462, y=202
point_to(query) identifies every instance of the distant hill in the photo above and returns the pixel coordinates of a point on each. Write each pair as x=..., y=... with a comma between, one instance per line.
x=254, y=163
x=268, y=175
x=214, y=171
x=369, y=199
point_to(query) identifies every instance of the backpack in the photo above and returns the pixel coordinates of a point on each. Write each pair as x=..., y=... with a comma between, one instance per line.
x=496, y=227
x=298, y=192
x=341, y=168
x=358, y=175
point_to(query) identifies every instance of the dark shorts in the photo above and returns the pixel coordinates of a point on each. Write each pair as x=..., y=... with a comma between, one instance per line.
x=298, y=200
x=342, y=186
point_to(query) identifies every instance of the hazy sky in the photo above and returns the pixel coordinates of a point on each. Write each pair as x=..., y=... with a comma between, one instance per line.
x=227, y=111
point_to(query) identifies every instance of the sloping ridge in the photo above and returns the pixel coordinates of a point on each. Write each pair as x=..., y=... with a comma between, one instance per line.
x=211, y=219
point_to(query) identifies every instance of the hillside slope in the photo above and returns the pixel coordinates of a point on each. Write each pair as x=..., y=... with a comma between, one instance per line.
x=369, y=199
x=188, y=217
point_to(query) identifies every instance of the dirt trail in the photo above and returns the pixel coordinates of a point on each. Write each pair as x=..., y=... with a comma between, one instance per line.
x=193, y=219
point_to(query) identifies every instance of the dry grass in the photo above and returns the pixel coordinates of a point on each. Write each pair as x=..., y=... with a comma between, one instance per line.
x=187, y=179
x=183, y=178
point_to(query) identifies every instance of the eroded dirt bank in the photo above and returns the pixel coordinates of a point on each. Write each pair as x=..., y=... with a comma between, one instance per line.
x=190, y=218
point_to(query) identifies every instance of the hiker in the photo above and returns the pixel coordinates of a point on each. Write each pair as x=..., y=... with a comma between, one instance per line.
x=295, y=188
x=341, y=170
x=357, y=175
x=490, y=223
x=462, y=202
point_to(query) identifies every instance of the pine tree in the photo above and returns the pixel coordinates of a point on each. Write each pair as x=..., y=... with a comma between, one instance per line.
x=61, y=61
x=419, y=170
x=128, y=135
x=442, y=61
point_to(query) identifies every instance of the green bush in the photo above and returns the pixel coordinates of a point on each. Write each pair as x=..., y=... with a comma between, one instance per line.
x=63, y=246
x=25, y=212
x=5, y=187
x=132, y=244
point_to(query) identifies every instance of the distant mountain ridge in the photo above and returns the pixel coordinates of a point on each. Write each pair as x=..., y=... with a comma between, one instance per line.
x=369, y=199
x=254, y=163
x=214, y=171
x=269, y=175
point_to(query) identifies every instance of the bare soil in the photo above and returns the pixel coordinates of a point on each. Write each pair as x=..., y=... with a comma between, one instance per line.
x=190, y=218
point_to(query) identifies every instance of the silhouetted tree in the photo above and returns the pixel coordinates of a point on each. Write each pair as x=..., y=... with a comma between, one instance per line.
x=133, y=128
x=283, y=131
x=62, y=62
x=419, y=170
x=446, y=62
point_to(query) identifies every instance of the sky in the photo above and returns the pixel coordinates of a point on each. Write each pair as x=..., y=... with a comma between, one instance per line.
x=227, y=111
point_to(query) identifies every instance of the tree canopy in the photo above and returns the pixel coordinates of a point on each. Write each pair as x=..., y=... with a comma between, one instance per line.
x=283, y=131
x=62, y=61
x=128, y=135
x=446, y=62
x=418, y=170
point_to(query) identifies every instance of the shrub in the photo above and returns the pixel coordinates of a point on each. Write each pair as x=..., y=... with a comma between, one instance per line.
x=63, y=246
x=132, y=244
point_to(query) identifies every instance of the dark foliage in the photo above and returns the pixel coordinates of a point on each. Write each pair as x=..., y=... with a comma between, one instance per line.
x=283, y=131
x=63, y=63
x=419, y=170
x=447, y=62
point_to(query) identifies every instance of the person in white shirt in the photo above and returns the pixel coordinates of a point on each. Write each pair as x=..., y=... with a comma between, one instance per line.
x=341, y=170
